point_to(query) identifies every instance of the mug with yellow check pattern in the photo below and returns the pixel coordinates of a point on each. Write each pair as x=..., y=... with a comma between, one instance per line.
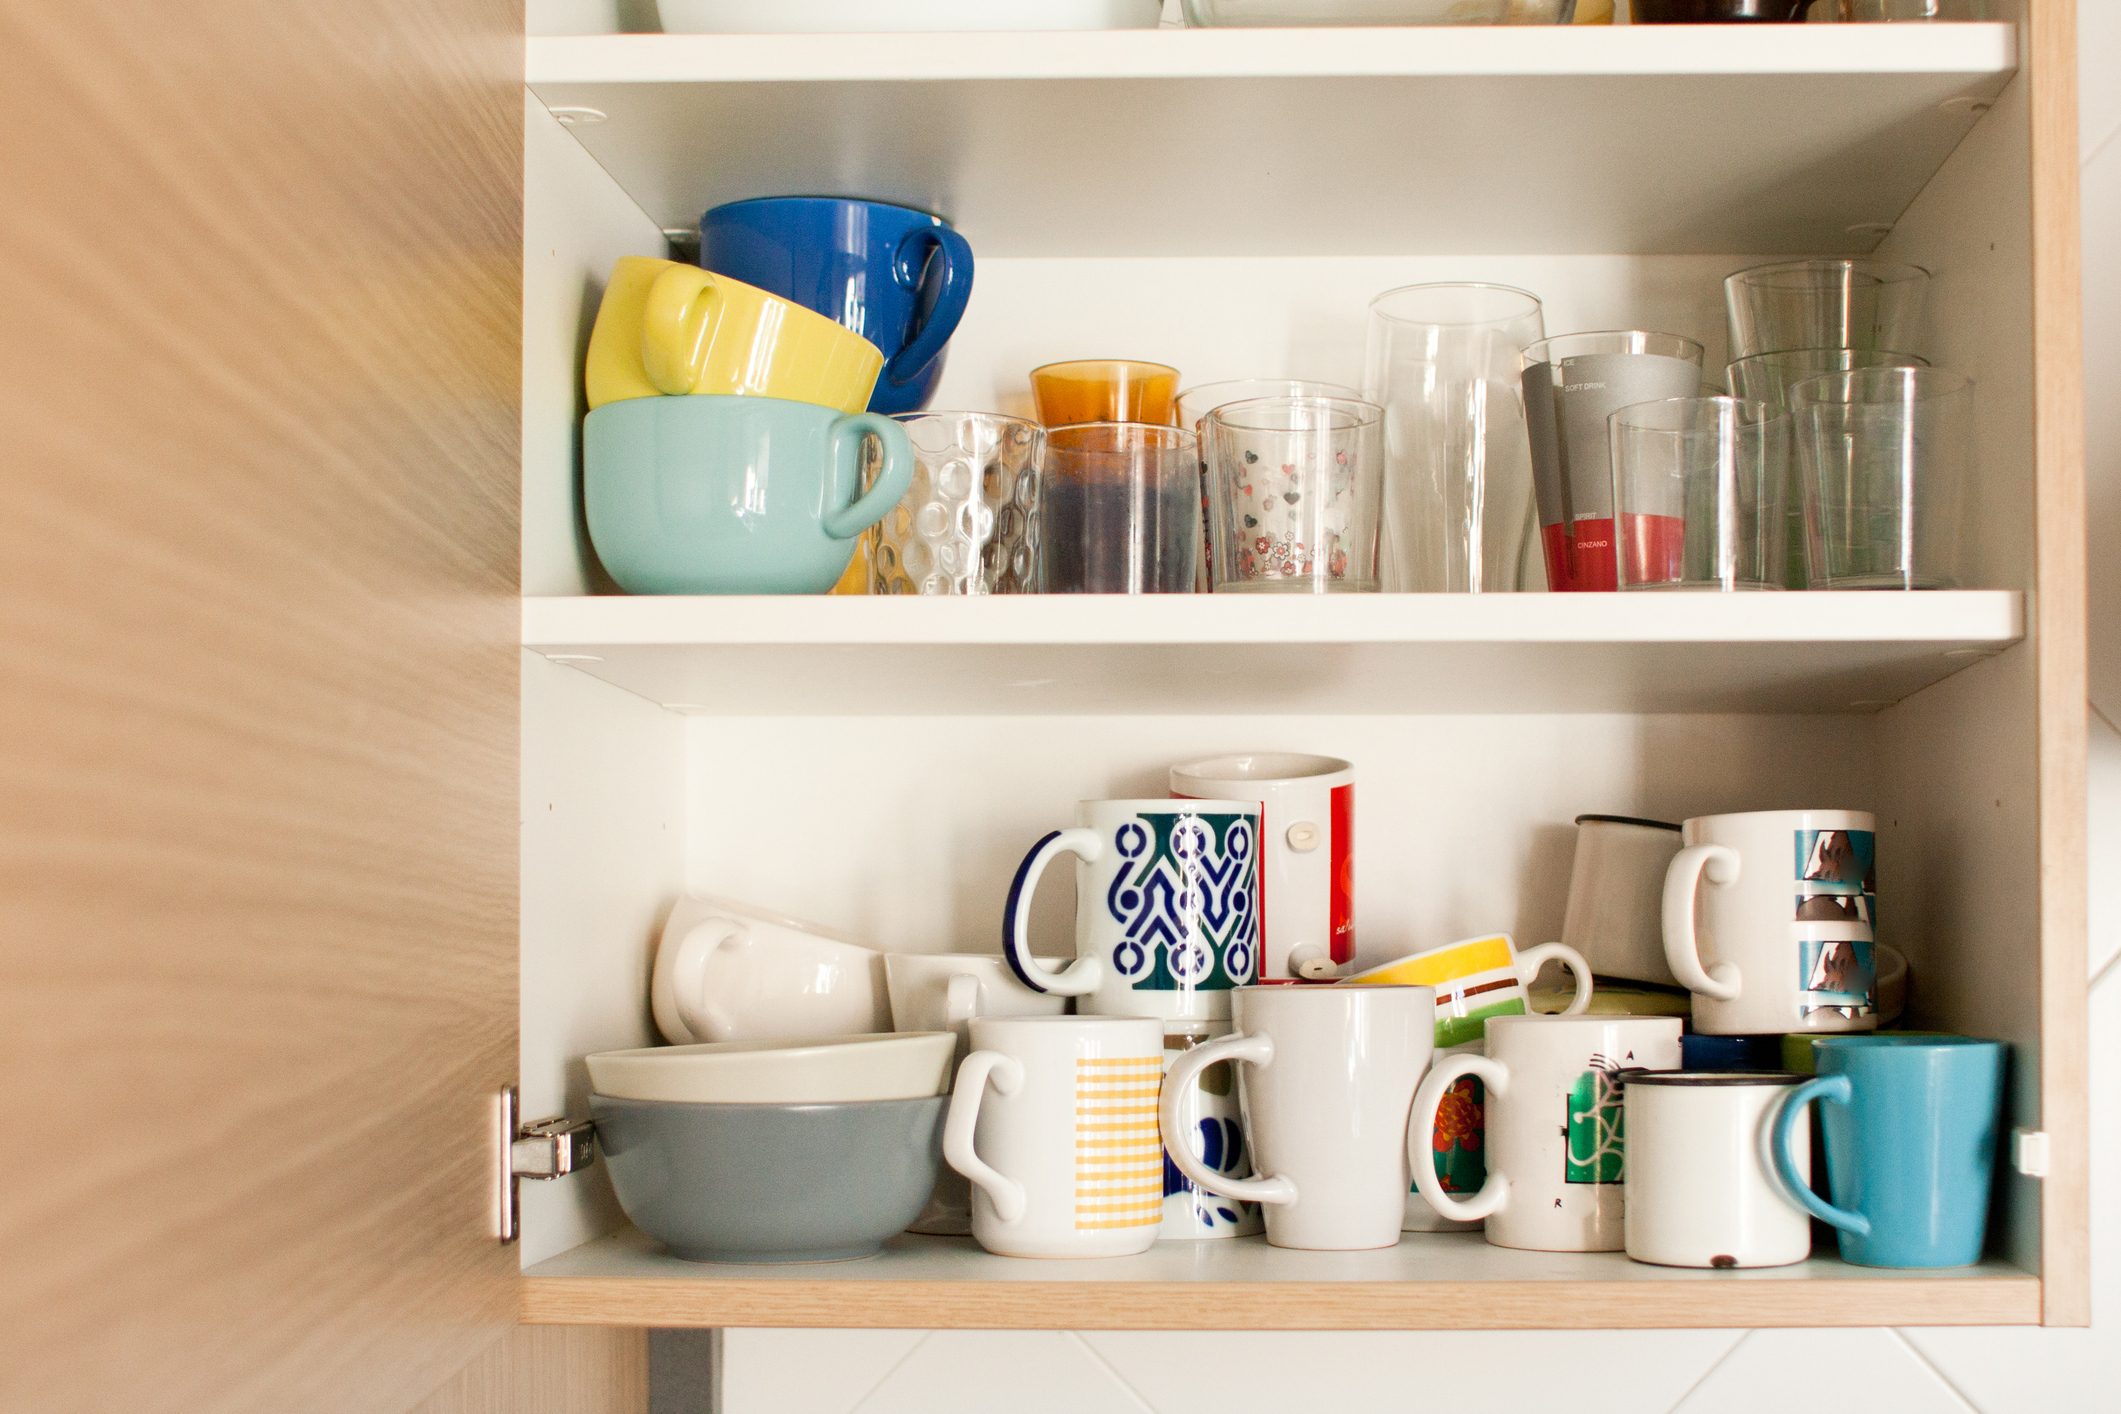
x=1054, y=1120
x=665, y=327
x=1477, y=980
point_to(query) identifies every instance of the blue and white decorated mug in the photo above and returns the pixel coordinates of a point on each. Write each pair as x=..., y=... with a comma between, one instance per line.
x=1167, y=915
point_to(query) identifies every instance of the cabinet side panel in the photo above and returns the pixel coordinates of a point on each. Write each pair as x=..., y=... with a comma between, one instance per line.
x=551, y=1370
x=259, y=377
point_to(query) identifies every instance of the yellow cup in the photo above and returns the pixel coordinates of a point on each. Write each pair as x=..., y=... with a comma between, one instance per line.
x=667, y=328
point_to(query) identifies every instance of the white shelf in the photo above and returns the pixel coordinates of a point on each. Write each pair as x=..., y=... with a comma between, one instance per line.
x=1359, y=654
x=1430, y=1280
x=1649, y=139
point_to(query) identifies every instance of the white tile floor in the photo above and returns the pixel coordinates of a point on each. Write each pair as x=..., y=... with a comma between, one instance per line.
x=2017, y=1371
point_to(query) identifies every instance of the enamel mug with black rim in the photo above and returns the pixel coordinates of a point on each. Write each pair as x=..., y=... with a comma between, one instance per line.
x=1701, y=1187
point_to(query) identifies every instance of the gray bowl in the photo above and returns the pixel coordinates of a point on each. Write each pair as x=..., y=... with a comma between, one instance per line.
x=771, y=1183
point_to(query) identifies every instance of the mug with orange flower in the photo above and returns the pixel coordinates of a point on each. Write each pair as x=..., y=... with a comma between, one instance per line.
x=1457, y=1144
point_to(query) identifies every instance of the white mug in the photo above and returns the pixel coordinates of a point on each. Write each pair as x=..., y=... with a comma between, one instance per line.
x=1207, y=1113
x=1615, y=913
x=1326, y=1083
x=1166, y=908
x=1701, y=1187
x=1786, y=900
x=1054, y=1120
x=727, y=971
x=943, y=992
x=1556, y=1131
x=1307, y=821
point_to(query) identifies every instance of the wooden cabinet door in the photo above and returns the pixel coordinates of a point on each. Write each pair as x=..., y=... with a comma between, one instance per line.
x=259, y=372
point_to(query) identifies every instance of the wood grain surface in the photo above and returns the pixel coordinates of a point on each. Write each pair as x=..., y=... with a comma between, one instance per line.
x=2059, y=631
x=258, y=724
x=551, y=1370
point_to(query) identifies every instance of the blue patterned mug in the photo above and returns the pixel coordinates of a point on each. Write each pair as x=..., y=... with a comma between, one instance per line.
x=1166, y=908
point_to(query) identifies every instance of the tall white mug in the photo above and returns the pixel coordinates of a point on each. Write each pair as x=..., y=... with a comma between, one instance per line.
x=1326, y=1083
x=1768, y=921
x=1166, y=908
x=1307, y=876
x=1054, y=1120
x=1556, y=1131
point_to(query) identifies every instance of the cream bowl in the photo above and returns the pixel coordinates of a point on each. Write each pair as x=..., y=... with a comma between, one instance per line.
x=900, y=1065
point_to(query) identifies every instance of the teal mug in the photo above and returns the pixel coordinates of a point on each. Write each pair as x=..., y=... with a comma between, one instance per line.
x=734, y=495
x=1912, y=1126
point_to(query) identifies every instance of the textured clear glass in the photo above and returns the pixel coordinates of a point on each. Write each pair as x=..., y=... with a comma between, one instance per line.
x=1443, y=363
x=1884, y=460
x=1293, y=489
x=970, y=522
x=1120, y=509
x=1699, y=486
x=1825, y=304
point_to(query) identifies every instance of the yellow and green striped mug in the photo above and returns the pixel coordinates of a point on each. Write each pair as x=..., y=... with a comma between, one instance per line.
x=1477, y=980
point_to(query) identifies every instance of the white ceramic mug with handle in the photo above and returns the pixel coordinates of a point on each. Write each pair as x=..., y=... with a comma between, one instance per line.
x=1307, y=875
x=728, y=971
x=1054, y=1121
x=1701, y=1183
x=1555, y=1129
x=1166, y=908
x=1326, y=1083
x=1768, y=920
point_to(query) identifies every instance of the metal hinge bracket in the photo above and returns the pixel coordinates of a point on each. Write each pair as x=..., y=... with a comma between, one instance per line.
x=543, y=1149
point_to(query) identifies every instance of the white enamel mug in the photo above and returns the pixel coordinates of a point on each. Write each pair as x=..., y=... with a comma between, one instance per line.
x=1701, y=1186
x=1768, y=921
x=1326, y=1083
x=1615, y=914
x=1166, y=908
x=1054, y=1120
x=727, y=971
x=1307, y=882
x=943, y=992
x=1556, y=1132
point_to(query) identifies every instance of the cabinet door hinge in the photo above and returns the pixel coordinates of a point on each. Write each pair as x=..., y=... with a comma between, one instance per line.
x=2029, y=1152
x=546, y=1148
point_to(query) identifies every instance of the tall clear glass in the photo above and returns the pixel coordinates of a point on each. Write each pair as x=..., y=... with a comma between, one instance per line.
x=1885, y=457
x=1698, y=492
x=1120, y=509
x=1443, y=363
x=1826, y=304
x=1573, y=383
x=1293, y=494
x=1767, y=378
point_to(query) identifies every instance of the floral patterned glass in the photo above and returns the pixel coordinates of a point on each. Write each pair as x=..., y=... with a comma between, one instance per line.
x=970, y=523
x=1293, y=492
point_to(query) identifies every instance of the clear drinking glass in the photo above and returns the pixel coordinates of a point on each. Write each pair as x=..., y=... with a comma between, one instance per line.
x=1104, y=390
x=970, y=522
x=1767, y=378
x=1293, y=489
x=1120, y=509
x=1699, y=486
x=1572, y=385
x=1194, y=405
x=1825, y=304
x=1875, y=11
x=1443, y=363
x=1884, y=457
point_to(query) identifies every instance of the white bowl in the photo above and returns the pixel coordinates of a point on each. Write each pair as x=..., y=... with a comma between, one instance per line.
x=902, y=1065
x=920, y=16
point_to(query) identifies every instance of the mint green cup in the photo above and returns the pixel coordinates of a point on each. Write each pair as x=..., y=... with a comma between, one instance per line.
x=734, y=495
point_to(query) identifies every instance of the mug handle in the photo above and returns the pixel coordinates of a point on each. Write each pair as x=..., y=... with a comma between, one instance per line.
x=960, y=999
x=1080, y=977
x=981, y=1069
x=1179, y=1143
x=681, y=975
x=893, y=479
x=1834, y=1088
x=1682, y=951
x=1531, y=960
x=675, y=322
x=954, y=255
x=1427, y=1101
